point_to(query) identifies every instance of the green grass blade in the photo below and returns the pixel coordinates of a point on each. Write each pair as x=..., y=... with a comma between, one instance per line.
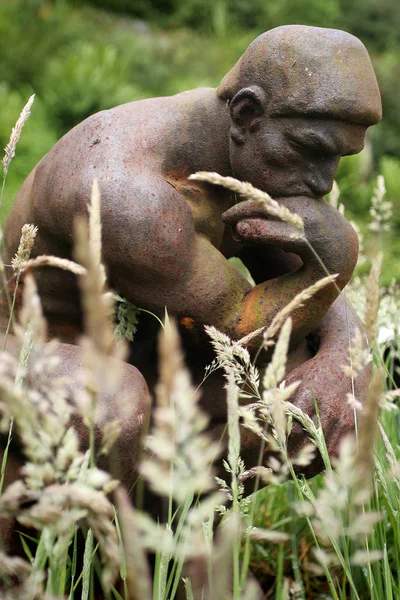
x=87, y=566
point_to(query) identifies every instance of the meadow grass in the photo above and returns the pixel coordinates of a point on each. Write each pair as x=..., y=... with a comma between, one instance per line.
x=335, y=536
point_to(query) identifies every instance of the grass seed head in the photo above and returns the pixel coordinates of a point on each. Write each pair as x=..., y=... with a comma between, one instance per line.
x=272, y=207
x=359, y=355
x=15, y=135
x=367, y=433
x=28, y=235
x=179, y=448
x=372, y=300
x=381, y=211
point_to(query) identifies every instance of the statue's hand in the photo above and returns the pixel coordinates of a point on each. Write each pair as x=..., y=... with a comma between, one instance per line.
x=331, y=236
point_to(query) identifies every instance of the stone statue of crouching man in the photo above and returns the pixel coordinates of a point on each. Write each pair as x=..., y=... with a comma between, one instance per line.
x=298, y=100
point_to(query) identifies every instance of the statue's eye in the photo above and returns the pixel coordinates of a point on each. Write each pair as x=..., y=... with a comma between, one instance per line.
x=310, y=151
x=302, y=148
x=297, y=145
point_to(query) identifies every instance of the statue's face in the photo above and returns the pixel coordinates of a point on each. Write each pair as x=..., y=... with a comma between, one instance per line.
x=293, y=156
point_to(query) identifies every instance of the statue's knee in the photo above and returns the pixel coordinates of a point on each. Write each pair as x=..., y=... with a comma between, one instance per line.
x=129, y=408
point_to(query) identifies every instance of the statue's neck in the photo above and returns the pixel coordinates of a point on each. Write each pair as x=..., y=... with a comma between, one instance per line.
x=200, y=141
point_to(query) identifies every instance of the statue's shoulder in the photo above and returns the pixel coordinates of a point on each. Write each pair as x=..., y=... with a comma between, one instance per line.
x=124, y=148
x=129, y=132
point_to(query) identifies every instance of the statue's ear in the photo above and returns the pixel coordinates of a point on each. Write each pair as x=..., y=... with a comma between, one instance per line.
x=246, y=108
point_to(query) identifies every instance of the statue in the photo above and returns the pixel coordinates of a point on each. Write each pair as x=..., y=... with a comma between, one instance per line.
x=297, y=100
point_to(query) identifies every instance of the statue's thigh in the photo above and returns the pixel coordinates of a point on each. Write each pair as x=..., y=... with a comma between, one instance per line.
x=127, y=401
x=123, y=396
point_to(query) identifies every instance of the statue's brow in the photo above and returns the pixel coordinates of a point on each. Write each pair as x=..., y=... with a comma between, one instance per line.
x=314, y=140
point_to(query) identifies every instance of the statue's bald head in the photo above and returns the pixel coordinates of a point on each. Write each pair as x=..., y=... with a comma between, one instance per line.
x=309, y=71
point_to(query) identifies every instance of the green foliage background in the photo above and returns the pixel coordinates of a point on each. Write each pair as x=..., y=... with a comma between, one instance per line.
x=81, y=57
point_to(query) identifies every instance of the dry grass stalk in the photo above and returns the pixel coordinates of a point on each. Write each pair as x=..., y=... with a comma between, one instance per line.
x=272, y=207
x=315, y=433
x=41, y=416
x=367, y=432
x=137, y=569
x=95, y=230
x=180, y=452
x=52, y=261
x=27, y=240
x=270, y=331
x=96, y=306
x=28, y=235
x=390, y=454
x=84, y=502
x=276, y=369
x=359, y=355
x=188, y=588
x=276, y=537
x=381, y=211
x=170, y=362
x=111, y=431
x=353, y=402
x=234, y=465
x=228, y=538
x=233, y=422
x=273, y=396
x=337, y=511
x=297, y=302
x=31, y=317
x=16, y=134
x=275, y=412
x=372, y=300
x=103, y=354
x=14, y=566
x=58, y=489
x=8, y=156
x=232, y=357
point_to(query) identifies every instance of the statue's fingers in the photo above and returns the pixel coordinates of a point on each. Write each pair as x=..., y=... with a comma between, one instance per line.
x=244, y=210
x=274, y=233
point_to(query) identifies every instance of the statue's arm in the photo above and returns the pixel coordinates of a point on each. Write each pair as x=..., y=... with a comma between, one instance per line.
x=157, y=259
x=328, y=245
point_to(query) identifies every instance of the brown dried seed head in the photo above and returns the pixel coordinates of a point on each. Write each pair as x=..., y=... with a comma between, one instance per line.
x=16, y=134
x=247, y=190
x=28, y=235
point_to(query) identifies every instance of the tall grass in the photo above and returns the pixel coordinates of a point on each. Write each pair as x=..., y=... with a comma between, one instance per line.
x=335, y=536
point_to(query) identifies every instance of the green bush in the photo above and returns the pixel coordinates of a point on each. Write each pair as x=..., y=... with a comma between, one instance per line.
x=31, y=33
x=354, y=183
x=83, y=79
x=387, y=136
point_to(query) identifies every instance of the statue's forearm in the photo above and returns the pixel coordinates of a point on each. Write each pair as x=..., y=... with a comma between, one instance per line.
x=328, y=246
x=263, y=302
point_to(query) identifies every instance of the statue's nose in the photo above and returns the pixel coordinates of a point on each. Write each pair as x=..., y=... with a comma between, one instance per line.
x=320, y=180
x=319, y=187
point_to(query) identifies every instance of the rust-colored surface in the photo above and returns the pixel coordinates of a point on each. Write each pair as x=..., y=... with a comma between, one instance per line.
x=298, y=100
